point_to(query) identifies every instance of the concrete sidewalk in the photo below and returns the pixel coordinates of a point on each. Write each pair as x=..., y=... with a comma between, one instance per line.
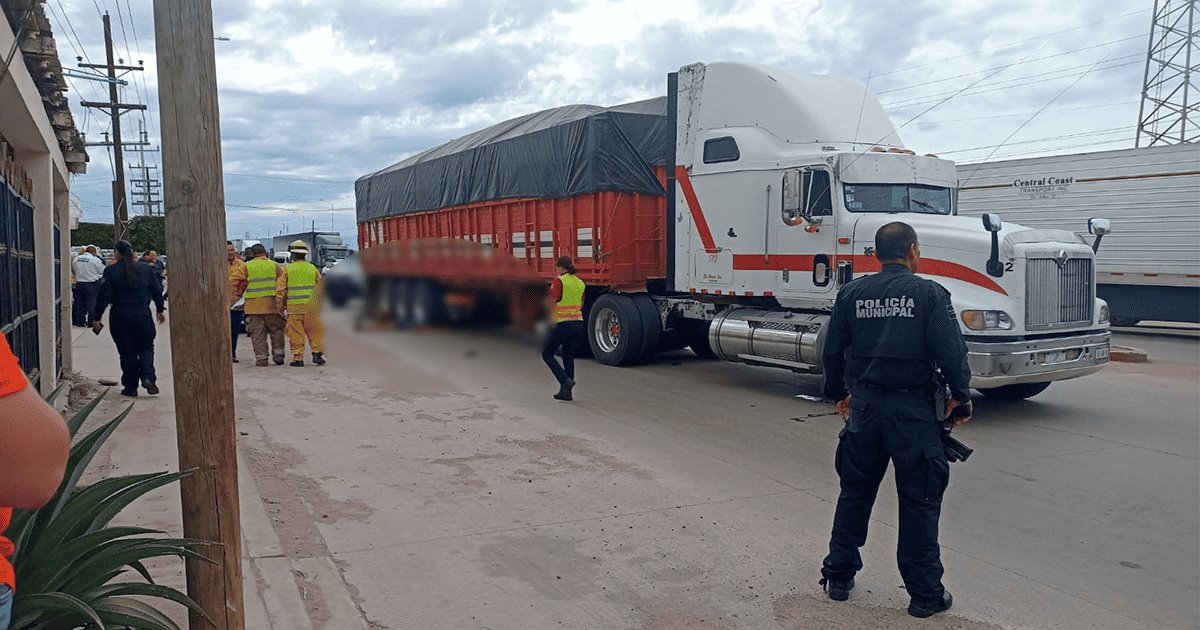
x=281, y=591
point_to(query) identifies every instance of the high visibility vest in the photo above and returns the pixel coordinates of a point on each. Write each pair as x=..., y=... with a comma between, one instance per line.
x=570, y=306
x=260, y=279
x=301, y=283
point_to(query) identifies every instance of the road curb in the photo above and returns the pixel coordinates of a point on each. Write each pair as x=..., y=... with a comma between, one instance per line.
x=1123, y=354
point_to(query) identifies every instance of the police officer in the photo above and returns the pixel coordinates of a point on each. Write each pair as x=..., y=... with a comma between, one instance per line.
x=888, y=333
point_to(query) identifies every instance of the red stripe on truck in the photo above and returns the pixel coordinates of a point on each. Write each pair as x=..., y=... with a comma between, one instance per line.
x=864, y=264
x=689, y=195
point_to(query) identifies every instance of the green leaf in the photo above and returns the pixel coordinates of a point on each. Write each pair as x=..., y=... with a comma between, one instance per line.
x=53, y=396
x=98, y=568
x=131, y=613
x=81, y=416
x=148, y=590
x=38, y=604
x=81, y=455
x=78, y=511
x=141, y=569
x=121, y=499
x=43, y=573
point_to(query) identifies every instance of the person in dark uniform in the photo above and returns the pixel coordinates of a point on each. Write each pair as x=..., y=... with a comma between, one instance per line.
x=888, y=334
x=129, y=287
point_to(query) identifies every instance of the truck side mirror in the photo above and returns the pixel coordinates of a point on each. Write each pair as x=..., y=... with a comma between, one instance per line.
x=992, y=223
x=791, y=197
x=1098, y=228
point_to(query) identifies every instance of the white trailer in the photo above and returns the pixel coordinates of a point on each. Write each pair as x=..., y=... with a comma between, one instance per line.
x=1149, y=268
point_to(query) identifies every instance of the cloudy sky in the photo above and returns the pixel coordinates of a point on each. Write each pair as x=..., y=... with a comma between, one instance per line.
x=316, y=93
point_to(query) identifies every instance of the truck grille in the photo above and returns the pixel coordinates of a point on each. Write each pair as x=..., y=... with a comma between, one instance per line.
x=1058, y=295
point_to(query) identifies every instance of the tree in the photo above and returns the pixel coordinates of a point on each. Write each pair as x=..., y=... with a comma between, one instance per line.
x=98, y=234
x=147, y=233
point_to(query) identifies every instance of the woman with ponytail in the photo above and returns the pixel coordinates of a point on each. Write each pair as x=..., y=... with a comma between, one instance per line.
x=129, y=286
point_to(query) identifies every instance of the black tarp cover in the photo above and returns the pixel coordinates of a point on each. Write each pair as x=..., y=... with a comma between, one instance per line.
x=555, y=153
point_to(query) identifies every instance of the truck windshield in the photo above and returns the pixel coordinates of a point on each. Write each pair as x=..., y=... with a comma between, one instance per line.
x=897, y=198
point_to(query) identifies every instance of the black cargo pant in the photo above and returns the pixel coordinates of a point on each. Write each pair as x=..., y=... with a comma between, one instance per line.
x=567, y=336
x=133, y=332
x=901, y=427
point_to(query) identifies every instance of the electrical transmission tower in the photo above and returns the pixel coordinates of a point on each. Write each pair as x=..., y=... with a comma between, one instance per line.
x=1170, y=109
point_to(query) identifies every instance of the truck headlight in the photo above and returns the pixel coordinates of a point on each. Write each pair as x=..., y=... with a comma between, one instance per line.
x=987, y=320
x=1104, y=316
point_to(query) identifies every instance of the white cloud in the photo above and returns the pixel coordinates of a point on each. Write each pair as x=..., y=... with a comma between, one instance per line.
x=322, y=91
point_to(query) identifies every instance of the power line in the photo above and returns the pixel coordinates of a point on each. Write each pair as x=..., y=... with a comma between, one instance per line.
x=138, y=45
x=1035, y=114
x=1059, y=109
x=968, y=74
x=1011, y=44
x=1083, y=134
x=128, y=54
x=992, y=87
x=1045, y=150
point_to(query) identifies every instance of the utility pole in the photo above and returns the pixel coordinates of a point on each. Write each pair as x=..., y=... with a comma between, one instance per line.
x=145, y=188
x=1170, y=108
x=115, y=107
x=194, y=200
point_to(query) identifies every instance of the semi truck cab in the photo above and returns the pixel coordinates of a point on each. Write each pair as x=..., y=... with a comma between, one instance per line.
x=780, y=184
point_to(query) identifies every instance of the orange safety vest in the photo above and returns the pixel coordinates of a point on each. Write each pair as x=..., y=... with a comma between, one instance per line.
x=570, y=305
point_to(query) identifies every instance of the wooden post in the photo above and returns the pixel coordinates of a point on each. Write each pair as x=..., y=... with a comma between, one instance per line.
x=195, y=214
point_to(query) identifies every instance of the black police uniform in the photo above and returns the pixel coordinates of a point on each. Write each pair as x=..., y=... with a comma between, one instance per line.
x=893, y=328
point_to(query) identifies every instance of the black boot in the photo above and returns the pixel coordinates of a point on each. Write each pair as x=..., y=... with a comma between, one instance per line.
x=151, y=387
x=318, y=358
x=564, y=392
x=838, y=590
x=928, y=608
x=297, y=363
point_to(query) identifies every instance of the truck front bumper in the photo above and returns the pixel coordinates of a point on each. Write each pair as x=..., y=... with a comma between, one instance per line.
x=994, y=364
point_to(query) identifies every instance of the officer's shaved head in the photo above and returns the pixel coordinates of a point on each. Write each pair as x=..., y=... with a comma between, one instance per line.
x=257, y=250
x=893, y=241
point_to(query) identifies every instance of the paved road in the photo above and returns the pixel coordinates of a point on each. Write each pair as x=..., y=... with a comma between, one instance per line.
x=452, y=492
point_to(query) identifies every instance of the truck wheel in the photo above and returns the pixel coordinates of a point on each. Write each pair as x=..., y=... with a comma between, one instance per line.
x=427, y=306
x=651, y=327
x=615, y=330
x=1019, y=391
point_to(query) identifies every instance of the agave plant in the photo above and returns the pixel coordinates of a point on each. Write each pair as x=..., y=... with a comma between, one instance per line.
x=68, y=558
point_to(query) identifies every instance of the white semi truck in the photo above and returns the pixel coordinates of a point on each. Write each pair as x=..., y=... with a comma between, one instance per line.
x=773, y=185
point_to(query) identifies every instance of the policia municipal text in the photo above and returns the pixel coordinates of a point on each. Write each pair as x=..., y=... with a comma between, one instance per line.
x=888, y=334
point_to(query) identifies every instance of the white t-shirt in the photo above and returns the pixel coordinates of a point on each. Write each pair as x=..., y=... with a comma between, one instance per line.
x=88, y=268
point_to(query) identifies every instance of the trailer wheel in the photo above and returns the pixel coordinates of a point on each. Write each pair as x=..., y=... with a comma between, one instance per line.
x=651, y=327
x=1019, y=391
x=427, y=305
x=615, y=330
x=400, y=303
